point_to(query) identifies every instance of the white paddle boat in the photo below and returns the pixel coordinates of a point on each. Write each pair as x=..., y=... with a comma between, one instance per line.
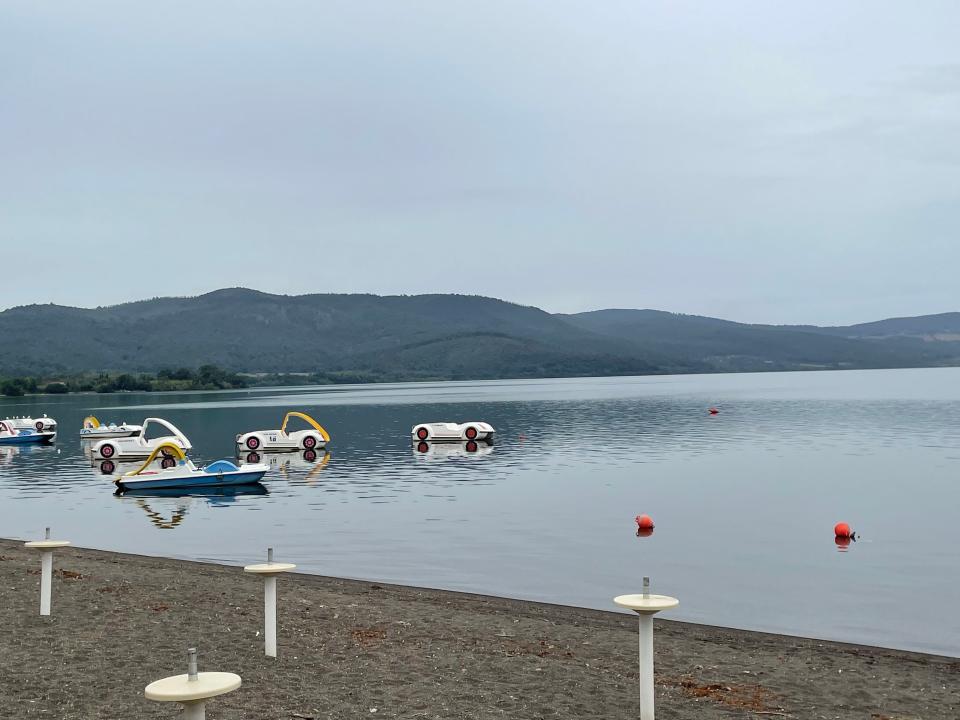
x=137, y=446
x=93, y=429
x=40, y=424
x=453, y=432
x=176, y=471
x=312, y=438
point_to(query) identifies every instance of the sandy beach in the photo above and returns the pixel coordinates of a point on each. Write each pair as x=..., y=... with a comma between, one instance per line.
x=351, y=649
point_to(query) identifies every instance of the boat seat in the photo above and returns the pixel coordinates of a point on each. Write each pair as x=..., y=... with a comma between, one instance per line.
x=221, y=466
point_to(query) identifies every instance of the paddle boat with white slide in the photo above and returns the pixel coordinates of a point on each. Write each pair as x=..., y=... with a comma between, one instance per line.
x=93, y=429
x=453, y=432
x=138, y=446
x=22, y=436
x=312, y=438
x=176, y=471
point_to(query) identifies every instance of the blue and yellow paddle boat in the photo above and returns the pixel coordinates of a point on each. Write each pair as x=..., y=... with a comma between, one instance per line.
x=176, y=471
x=10, y=435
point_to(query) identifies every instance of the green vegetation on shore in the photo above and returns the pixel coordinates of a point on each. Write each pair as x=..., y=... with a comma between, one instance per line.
x=207, y=377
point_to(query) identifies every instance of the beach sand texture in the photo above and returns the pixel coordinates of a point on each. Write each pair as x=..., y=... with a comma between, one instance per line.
x=350, y=649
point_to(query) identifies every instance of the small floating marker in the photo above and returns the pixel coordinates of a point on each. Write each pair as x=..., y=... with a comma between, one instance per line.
x=193, y=689
x=644, y=522
x=713, y=411
x=842, y=531
x=46, y=548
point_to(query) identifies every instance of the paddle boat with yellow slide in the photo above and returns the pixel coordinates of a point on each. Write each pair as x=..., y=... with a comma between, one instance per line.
x=280, y=440
x=176, y=471
x=93, y=429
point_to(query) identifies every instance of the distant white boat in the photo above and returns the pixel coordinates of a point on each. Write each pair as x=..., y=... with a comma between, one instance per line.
x=40, y=424
x=93, y=429
x=453, y=432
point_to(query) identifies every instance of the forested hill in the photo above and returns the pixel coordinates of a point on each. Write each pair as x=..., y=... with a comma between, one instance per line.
x=369, y=337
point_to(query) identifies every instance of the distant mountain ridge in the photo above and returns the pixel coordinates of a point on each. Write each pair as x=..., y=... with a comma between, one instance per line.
x=441, y=337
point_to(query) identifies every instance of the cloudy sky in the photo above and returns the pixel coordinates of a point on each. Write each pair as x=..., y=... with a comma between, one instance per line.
x=736, y=159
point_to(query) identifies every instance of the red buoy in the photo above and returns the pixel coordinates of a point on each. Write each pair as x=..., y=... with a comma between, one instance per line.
x=644, y=522
x=713, y=411
x=842, y=530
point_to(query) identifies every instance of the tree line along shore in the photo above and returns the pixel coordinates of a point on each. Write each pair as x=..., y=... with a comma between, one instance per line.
x=206, y=377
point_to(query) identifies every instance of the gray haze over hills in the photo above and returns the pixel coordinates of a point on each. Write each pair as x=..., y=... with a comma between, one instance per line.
x=420, y=337
x=774, y=162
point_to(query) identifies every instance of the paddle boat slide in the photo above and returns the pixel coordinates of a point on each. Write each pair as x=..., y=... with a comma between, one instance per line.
x=176, y=471
x=280, y=440
x=453, y=432
x=14, y=436
x=93, y=429
x=138, y=446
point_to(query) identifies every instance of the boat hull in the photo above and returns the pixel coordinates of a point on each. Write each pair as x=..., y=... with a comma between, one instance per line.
x=109, y=434
x=174, y=481
x=44, y=438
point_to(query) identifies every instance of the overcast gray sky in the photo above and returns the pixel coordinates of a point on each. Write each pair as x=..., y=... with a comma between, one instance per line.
x=739, y=159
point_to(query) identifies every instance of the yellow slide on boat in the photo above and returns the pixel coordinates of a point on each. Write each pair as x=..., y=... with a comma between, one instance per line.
x=309, y=420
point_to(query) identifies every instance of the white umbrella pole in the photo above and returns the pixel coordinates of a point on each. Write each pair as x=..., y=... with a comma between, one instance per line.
x=46, y=580
x=270, y=614
x=646, y=666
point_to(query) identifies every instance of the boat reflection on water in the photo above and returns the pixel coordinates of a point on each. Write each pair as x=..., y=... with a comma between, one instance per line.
x=843, y=543
x=183, y=499
x=302, y=466
x=446, y=450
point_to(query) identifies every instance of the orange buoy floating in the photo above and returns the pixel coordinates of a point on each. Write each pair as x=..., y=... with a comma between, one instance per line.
x=714, y=411
x=842, y=531
x=644, y=522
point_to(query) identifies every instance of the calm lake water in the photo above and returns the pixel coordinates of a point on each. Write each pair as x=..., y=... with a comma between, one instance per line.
x=744, y=501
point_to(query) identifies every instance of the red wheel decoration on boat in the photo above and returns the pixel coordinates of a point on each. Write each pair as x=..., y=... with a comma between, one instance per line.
x=108, y=451
x=423, y=433
x=39, y=425
x=309, y=442
x=253, y=442
x=471, y=433
x=167, y=463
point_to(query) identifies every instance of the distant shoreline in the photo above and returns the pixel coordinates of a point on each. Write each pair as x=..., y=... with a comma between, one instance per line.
x=279, y=386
